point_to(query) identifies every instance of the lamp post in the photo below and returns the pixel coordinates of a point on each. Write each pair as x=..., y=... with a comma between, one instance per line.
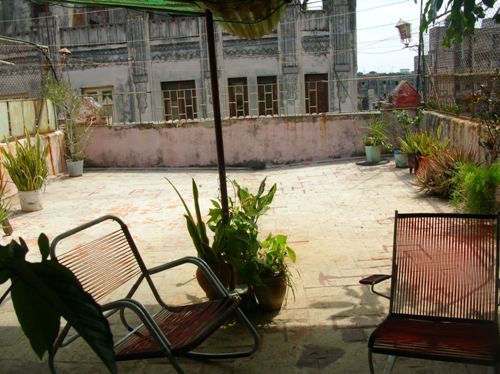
x=404, y=29
x=64, y=54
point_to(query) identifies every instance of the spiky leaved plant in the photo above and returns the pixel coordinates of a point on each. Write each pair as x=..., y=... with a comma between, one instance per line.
x=27, y=163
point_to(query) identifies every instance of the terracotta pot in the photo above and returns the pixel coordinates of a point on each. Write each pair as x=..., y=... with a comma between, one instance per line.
x=271, y=294
x=413, y=163
x=224, y=275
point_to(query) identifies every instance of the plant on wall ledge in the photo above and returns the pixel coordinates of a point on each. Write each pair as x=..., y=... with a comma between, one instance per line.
x=77, y=130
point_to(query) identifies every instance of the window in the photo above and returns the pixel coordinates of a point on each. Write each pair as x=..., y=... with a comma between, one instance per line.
x=90, y=16
x=238, y=97
x=104, y=96
x=267, y=90
x=179, y=100
x=316, y=93
x=40, y=10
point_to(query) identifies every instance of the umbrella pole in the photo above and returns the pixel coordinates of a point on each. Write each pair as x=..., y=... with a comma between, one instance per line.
x=217, y=116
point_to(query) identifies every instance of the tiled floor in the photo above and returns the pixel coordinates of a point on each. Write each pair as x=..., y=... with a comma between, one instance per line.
x=338, y=217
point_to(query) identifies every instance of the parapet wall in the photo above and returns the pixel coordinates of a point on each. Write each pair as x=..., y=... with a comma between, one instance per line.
x=276, y=140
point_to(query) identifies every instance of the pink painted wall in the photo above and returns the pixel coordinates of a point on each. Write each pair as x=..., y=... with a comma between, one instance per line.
x=270, y=139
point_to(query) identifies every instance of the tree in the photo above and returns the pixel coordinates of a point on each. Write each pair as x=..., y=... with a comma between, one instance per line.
x=462, y=16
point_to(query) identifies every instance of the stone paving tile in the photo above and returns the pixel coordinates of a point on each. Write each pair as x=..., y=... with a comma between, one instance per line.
x=338, y=216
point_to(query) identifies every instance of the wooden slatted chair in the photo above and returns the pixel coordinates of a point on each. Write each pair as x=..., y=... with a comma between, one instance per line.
x=103, y=265
x=444, y=295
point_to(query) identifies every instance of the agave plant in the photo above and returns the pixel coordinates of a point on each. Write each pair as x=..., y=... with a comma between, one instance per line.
x=27, y=164
x=437, y=178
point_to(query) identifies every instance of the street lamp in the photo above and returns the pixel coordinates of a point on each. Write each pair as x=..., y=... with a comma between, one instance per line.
x=404, y=29
x=64, y=54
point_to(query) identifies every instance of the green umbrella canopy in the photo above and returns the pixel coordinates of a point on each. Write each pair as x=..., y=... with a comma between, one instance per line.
x=249, y=19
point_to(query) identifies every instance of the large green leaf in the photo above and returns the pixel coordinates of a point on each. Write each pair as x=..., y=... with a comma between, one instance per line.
x=38, y=318
x=43, y=292
x=44, y=246
x=79, y=309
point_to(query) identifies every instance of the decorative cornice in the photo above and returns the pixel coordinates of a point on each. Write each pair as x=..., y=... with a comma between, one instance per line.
x=87, y=59
x=177, y=51
x=316, y=44
x=251, y=48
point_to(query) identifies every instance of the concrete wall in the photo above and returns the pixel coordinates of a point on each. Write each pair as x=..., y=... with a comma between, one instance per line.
x=270, y=139
x=462, y=132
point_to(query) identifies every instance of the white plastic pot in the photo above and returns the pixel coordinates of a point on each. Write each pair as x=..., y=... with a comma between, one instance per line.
x=31, y=201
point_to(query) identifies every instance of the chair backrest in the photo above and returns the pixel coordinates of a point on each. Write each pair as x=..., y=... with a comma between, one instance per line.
x=103, y=264
x=445, y=266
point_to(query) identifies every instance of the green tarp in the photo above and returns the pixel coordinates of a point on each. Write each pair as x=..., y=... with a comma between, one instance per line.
x=249, y=19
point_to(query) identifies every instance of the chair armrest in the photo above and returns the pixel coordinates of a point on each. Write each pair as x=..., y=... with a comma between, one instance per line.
x=374, y=279
x=199, y=263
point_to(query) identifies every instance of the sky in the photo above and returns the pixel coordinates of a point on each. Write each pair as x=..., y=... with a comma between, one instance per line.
x=379, y=46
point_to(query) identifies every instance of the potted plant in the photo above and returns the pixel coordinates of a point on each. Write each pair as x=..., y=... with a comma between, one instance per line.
x=374, y=140
x=420, y=145
x=27, y=167
x=236, y=246
x=275, y=276
x=410, y=147
x=76, y=128
x=408, y=125
x=210, y=254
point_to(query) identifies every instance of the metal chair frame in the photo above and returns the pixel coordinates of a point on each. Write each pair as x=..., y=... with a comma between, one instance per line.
x=145, y=317
x=378, y=278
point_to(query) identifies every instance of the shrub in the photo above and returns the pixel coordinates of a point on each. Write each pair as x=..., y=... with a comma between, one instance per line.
x=475, y=188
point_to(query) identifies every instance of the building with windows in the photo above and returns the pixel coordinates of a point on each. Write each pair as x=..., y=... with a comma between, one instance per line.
x=375, y=87
x=149, y=67
x=457, y=73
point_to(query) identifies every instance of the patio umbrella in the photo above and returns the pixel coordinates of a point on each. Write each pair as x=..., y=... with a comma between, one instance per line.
x=249, y=19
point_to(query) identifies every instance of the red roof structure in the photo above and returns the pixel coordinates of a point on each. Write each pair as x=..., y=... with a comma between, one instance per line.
x=405, y=95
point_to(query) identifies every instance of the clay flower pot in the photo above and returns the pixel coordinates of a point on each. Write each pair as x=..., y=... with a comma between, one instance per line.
x=271, y=294
x=224, y=275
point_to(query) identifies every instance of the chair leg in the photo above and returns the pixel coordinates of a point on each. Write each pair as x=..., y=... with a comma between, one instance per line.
x=389, y=364
x=175, y=364
x=370, y=361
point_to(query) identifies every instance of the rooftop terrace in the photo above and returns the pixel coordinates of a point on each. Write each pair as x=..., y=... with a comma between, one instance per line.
x=338, y=217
